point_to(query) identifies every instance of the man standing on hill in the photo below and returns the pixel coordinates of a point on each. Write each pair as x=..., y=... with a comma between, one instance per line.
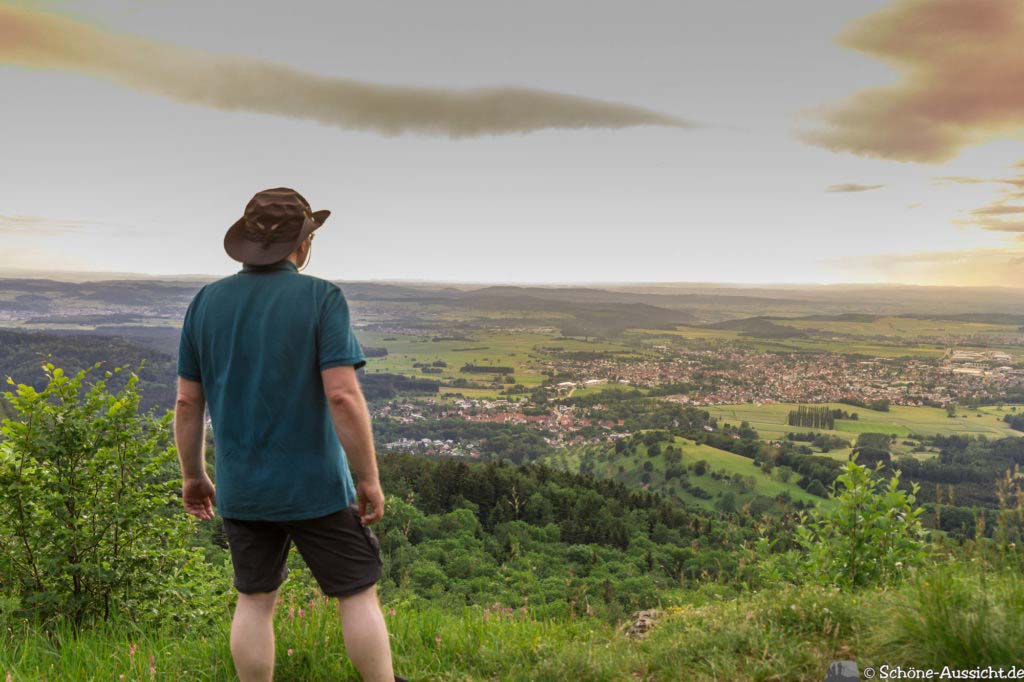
x=272, y=353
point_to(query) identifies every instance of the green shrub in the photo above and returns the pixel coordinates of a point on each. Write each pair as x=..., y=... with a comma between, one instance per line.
x=92, y=524
x=872, y=534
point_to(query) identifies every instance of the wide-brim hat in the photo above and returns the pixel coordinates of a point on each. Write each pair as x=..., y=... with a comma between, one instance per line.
x=275, y=222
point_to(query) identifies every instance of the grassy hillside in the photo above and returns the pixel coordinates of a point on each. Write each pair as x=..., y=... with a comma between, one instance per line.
x=780, y=633
x=726, y=472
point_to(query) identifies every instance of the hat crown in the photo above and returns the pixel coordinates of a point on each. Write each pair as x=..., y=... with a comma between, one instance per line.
x=275, y=215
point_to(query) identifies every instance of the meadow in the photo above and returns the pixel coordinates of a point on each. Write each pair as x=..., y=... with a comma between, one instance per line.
x=723, y=469
x=770, y=420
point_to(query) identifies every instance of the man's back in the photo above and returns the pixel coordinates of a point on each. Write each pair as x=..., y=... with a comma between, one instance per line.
x=257, y=341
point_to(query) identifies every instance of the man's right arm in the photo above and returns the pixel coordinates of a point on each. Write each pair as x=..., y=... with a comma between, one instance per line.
x=351, y=419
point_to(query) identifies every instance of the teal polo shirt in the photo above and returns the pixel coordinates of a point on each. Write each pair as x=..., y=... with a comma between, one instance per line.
x=257, y=341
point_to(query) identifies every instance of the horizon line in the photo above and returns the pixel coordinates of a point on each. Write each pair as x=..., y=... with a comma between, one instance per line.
x=115, y=275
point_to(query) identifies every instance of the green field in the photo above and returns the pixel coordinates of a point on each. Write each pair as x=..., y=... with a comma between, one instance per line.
x=606, y=463
x=770, y=420
x=901, y=327
x=526, y=352
x=885, y=337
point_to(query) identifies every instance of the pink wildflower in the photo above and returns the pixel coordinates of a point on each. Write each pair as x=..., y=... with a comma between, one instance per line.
x=9, y=677
x=131, y=651
x=152, y=671
x=391, y=612
x=438, y=640
x=291, y=612
x=312, y=603
x=291, y=651
x=302, y=612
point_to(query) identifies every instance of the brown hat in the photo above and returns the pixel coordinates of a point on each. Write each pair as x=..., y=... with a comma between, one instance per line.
x=275, y=222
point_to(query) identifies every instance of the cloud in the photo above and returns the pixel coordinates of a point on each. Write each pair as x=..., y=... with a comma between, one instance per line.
x=999, y=215
x=33, y=225
x=231, y=83
x=852, y=187
x=1003, y=267
x=997, y=209
x=960, y=64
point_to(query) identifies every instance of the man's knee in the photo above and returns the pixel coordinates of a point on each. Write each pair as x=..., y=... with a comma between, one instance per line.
x=263, y=601
x=368, y=593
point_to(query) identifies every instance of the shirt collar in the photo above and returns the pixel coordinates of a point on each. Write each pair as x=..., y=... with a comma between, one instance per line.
x=283, y=265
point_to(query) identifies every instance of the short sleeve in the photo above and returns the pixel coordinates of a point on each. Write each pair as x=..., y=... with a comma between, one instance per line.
x=336, y=342
x=188, y=356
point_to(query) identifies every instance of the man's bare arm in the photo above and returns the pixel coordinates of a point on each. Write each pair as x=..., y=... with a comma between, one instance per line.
x=197, y=492
x=351, y=419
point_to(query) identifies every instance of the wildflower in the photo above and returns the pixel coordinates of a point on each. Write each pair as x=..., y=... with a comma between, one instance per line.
x=438, y=640
x=152, y=659
x=302, y=612
x=312, y=603
x=152, y=671
x=391, y=612
x=291, y=651
x=9, y=677
x=131, y=651
x=291, y=613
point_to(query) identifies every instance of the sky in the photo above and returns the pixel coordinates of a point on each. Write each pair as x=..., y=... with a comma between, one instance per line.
x=799, y=141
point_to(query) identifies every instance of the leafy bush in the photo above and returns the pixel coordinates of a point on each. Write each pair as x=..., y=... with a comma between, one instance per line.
x=92, y=525
x=871, y=535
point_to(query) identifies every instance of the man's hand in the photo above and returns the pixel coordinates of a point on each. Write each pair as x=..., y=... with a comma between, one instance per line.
x=369, y=493
x=198, y=496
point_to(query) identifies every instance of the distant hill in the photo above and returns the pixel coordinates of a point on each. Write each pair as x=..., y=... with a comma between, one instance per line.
x=760, y=327
x=23, y=353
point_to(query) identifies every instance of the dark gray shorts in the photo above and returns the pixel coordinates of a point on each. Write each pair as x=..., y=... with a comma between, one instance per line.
x=341, y=553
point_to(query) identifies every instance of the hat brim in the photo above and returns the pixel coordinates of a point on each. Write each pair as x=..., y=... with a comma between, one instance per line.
x=255, y=253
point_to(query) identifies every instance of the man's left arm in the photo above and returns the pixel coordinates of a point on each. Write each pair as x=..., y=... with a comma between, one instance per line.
x=197, y=492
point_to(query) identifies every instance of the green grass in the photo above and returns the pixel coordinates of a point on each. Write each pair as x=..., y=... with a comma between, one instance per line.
x=606, y=464
x=770, y=420
x=952, y=614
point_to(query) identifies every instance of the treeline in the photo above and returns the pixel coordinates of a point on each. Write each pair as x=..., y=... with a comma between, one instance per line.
x=880, y=405
x=824, y=441
x=1016, y=421
x=382, y=385
x=470, y=368
x=823, y=417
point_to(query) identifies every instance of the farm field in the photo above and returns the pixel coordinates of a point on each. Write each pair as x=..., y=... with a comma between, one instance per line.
x=900, y=327
x=884, y=337
x=723, y=469
x=525, y=352
x=770, y=420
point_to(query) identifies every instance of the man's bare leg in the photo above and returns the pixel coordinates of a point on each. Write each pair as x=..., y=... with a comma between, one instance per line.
x=252, y=637
x=366, y=635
